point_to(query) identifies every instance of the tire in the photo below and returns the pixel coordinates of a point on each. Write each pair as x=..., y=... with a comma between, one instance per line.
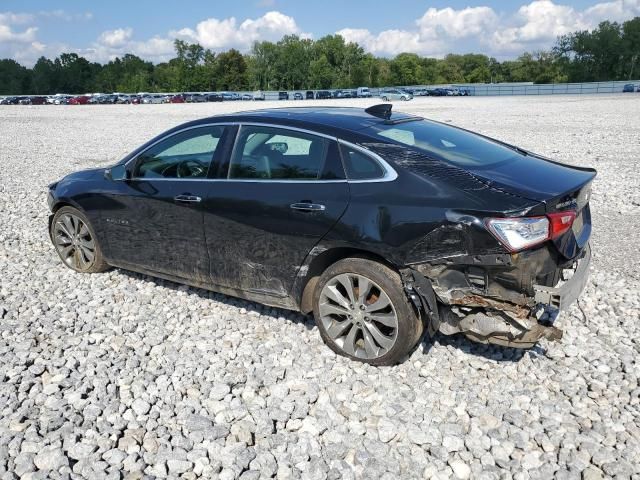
x=75, y=241
x=385, y=99
x=353, y=329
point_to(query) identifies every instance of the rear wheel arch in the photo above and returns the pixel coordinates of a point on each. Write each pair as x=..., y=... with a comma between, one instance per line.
x=323, y=261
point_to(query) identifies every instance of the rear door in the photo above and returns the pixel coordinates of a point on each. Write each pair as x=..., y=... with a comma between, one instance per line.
x=281, y=191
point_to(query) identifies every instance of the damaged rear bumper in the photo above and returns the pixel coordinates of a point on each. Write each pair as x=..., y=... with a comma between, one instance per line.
x=503, y=320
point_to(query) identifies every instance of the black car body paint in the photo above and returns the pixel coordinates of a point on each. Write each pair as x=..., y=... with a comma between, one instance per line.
x=427, y=222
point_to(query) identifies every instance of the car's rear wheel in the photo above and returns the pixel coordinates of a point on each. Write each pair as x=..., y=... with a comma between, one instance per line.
x=385, y=99
x=363, y=313
x=76, y=242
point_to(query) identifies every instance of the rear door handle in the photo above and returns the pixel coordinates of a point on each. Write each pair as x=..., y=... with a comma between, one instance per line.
x=187, y=199
x=308, y=207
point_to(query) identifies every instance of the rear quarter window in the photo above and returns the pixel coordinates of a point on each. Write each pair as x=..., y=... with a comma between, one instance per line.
x=359, y=165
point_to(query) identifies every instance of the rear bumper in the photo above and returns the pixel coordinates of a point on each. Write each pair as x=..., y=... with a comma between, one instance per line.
x=504, y=316
x=561, y=297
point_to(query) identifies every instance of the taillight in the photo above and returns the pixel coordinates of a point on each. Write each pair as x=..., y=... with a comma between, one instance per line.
x=560, y=222
x=518, y=234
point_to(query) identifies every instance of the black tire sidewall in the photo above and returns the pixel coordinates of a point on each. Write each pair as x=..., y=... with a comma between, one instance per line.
x=99, y=264
x=409, y=325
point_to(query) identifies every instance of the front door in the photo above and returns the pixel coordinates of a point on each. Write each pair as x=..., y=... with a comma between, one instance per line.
x=283, y=191
x=154, y=219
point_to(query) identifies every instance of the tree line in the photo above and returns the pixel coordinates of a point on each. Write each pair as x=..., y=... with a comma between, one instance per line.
x=609, y=52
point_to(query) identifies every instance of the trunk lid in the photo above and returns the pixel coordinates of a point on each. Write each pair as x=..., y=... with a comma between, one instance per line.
x=560, y=187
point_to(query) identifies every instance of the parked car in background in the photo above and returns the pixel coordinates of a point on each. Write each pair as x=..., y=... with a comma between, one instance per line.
x=123, y=99
x=390, y=94
x=33, y=100
x=298, y=96
x=179, y=98
x=10, y=101
x=80, y=100
x=214, y=97
x=323, y=94
x=310, y=95
x=363, y=92
x=198, y=98
x=258, y=95
x=246, y=97
x=438, y=92
x=419, y=92
x=629, y=87
x=108, y=99
x=380, y=223
x=61, y=99
x=283, y=95
x=39, y=100
x=153, y=99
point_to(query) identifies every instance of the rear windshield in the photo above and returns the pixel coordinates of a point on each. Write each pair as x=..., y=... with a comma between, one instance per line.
x=448, y=143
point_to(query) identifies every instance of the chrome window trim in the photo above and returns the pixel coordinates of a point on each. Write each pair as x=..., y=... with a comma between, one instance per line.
x=389, y=175
x=389, y=172
x=166, y=137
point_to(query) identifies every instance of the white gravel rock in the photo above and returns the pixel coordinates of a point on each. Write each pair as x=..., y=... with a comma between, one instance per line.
x=118, y=374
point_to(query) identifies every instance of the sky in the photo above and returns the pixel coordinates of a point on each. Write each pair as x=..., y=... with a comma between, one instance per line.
x=104, y=30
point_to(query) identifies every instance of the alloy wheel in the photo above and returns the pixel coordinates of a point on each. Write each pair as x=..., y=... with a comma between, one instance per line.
x=358, y=316
x=74, y=242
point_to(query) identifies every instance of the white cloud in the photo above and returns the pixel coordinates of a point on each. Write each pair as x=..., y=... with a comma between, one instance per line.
x=19, y=34
x=467, y=22
x=213, y=33
x=222, y=34
x=115, y=38
x=66, y=16
x=392, y=42
x=618, y=10
x=7, y=18
x=535, y=25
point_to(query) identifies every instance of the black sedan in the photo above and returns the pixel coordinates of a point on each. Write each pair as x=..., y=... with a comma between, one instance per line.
x=383, y=225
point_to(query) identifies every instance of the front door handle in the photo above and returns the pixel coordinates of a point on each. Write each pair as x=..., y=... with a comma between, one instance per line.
x=307, y=207
x=187, y=199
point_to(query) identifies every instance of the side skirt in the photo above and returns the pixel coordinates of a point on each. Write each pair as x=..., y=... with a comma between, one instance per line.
x=257, y=296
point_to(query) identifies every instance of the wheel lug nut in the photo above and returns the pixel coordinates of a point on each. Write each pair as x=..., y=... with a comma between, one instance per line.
x=362, y=307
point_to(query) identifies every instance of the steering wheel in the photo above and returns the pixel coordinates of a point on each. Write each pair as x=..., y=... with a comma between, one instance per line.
x=191, y=168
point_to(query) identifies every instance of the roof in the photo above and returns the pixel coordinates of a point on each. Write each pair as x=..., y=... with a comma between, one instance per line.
x=347, y=118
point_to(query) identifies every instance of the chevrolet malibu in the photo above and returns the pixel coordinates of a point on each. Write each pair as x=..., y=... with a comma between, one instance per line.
x=386, y=226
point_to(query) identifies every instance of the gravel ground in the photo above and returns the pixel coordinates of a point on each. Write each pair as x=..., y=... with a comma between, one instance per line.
x=120, y=375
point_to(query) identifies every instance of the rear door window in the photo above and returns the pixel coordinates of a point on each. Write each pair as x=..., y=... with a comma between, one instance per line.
x=270, y=153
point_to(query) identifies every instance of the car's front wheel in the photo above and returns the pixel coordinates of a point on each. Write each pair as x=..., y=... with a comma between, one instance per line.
x=363, y=313
x=76, y=242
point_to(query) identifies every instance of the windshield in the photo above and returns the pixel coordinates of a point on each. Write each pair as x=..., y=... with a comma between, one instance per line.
x=448, y=143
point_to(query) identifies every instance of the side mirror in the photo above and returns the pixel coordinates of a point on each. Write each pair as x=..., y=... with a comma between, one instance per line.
x=118, y=173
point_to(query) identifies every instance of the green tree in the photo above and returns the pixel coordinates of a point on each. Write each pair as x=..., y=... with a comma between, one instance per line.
x=14, y=78
x=232, y=71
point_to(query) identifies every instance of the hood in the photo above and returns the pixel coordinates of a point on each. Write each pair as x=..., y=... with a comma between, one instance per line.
x=83, y=175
